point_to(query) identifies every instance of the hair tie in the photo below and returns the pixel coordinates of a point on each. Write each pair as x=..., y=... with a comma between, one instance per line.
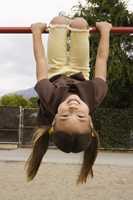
x=51, y=131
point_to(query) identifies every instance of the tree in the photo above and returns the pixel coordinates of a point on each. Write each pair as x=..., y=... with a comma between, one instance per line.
x=33, y=101
x=14, y=100
x=120, y=70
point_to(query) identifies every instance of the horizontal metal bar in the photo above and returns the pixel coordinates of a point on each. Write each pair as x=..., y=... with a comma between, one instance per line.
x=6, y=142
x=92, y=30
x=16, y=129
x=29, y=127
x=10, y=129
x=120, y=29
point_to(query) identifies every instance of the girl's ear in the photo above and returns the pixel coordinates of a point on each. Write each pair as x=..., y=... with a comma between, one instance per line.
x=91, y=126
x=91, y=123
x=53, y=123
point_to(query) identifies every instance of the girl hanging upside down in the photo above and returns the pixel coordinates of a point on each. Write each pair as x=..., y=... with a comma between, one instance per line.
x=67, y=98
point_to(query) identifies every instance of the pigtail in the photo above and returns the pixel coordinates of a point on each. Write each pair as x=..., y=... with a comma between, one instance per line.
x=40, y=146
x=89, y=158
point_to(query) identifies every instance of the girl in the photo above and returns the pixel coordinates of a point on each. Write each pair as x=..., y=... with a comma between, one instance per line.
x=67, y=97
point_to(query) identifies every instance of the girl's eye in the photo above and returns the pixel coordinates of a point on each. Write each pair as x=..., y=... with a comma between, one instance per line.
x=81, y=116
x=64, y=115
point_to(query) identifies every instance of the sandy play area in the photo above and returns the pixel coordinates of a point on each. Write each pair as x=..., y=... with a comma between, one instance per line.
x=56, y=181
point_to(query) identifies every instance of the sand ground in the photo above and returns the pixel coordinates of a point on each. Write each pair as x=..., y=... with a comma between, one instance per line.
x=57, y=181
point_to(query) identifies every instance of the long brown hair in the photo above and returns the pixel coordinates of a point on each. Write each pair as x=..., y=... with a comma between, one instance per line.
x=89, y=158
x=67, y=143
x=87, y=142
x=40, y=143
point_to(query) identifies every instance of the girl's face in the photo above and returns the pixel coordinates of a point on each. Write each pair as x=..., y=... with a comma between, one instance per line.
x=73, y=115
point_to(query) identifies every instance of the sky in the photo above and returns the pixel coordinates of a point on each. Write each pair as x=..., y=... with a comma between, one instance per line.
x=16, y=55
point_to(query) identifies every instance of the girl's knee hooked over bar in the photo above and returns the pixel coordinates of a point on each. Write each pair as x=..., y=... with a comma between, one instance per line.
x=79, y=23
x=59, y=20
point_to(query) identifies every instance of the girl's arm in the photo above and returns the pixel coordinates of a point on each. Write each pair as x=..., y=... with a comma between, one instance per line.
x=103, y=50
x=39, y=52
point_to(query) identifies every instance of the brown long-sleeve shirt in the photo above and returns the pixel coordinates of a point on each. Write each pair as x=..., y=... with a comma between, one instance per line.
x=52, y=92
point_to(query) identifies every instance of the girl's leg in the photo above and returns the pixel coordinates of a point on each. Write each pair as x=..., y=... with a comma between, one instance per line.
x=79, y=46
x=57, y=45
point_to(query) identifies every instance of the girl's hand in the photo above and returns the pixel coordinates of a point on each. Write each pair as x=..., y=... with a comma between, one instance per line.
x=39, y=27
x=103, y=26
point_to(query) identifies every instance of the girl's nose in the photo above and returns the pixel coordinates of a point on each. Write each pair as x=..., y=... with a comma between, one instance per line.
x=72, y=108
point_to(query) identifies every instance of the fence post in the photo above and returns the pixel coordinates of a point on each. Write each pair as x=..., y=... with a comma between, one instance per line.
x=131, y=139
x=20, y=131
